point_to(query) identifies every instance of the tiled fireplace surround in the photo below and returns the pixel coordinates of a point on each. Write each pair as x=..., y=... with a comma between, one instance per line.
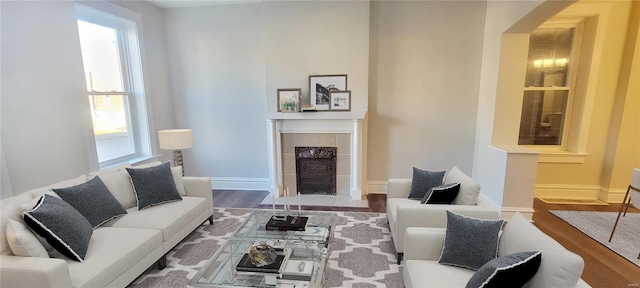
x=320, y=129
x=341, y=141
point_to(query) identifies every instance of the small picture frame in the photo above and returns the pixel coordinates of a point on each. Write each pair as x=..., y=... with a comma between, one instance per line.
x=289, y=99
x=340, y=101
x=321, y=86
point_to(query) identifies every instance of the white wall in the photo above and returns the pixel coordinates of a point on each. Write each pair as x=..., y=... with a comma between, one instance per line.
x=229, y=60
x=46, y=124
x=424, y=78
x=45, y=114
x=218, y=79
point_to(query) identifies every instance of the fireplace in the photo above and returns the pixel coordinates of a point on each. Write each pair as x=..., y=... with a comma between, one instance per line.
x=316, y=170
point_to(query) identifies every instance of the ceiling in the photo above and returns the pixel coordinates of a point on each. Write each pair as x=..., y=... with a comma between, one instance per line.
x=195, y=3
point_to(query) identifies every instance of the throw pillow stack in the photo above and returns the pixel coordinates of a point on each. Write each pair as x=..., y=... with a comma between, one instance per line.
x=444, y=187
x=473, y=244
x=65, y=217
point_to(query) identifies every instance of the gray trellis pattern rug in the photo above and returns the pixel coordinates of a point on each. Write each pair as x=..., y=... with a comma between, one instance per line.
x=598, y=226
x=361, y=252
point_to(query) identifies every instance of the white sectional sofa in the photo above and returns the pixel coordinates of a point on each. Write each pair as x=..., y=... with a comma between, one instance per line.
x=119, y=250
x=403, y=212
x=423, y=246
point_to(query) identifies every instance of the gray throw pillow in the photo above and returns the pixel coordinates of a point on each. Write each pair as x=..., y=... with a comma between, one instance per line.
x=513, y=270
x=62, y=225
x=469, y=242
x=443, y=194
x=154, y=185
x=423, y=181
x=93, y=200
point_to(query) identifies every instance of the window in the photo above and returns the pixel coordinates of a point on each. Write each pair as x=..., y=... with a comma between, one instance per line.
x=113, y=73
x=548, y=92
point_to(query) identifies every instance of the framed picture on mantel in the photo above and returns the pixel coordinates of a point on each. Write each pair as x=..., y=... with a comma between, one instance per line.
x=289, y=100
x=340, y=101
x=321, y=86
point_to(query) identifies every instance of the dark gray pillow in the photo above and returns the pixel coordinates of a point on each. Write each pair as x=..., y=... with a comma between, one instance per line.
x=443, y=194
x=513, y=270
x=62, y=225
x=469, y=242
x=93, y=200
x=423, y=181
x=154, y=185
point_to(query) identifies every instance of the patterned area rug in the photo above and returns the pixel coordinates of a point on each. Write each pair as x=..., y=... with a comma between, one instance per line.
x=361, y=252
x=598, y=226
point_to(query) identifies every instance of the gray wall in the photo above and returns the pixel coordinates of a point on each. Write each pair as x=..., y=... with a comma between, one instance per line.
x=45, y=121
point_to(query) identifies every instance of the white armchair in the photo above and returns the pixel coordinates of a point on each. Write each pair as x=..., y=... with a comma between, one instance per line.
x=423, y=246
x=403, y=212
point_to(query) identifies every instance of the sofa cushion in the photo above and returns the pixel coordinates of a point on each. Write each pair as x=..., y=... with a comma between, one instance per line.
x=423, y=180
x=119, y=183
x=109, y=256
x=93, y=200
x=469, y=242
x=424, y=274
x=443, y=194
x=513, y=270
x=169, y=218
x=559, y=267
x=62, y=225
x=469, y=189
x=23, y=242
x=154, y=185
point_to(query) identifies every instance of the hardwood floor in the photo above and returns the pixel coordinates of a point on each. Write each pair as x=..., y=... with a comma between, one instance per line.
x=603, y=267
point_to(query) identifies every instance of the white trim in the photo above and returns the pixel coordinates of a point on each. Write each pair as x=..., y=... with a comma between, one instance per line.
x=567, y=191
x=612, y=195
x=376, y=187
x=507, y=212
x=240, y=183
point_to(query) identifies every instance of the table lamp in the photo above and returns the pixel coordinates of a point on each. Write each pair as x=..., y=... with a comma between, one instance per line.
x=176, y=139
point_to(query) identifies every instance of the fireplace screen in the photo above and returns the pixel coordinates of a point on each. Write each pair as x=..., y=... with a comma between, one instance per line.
x=316, y=170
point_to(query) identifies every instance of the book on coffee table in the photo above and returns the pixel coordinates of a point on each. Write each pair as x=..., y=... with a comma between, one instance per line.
x=291, y=223
x=245, y=264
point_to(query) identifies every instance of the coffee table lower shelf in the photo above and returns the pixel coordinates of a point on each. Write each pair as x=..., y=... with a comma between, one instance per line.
x=220, y=270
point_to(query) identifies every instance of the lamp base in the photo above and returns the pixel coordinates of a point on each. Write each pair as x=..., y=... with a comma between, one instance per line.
x=177, y=159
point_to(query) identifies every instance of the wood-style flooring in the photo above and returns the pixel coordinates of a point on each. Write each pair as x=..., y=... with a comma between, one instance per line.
x=603, y=267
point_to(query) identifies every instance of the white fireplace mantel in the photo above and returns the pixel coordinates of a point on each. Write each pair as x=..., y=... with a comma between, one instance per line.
x=315, y=122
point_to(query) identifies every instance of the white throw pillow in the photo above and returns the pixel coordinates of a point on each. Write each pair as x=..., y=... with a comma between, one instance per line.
x=469, y=189
x=23, y=242
x=9, y=212
x=119, y=184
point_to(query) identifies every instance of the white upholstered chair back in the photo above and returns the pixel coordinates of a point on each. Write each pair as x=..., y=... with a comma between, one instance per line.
x=635, y=183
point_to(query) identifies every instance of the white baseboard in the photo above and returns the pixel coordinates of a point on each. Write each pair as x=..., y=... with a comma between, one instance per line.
x=240, y=183
x=376, y=187
x=612, y=195
x=567, y=191
x=507, y=212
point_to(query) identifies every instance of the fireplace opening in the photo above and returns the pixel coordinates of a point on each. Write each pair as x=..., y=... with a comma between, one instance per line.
x=316, y=170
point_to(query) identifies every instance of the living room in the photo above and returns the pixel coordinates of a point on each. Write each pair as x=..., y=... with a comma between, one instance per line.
x=434, y=84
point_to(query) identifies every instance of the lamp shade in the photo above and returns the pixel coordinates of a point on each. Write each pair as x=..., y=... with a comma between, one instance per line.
x=175, y=139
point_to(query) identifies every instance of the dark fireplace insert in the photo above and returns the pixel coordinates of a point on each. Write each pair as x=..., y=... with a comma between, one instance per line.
x=316, y=170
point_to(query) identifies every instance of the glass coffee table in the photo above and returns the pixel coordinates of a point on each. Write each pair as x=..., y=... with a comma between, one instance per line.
x=303, y=266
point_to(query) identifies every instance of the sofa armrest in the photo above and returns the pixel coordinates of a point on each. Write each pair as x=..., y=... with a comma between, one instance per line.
x=398, y=188
x=199, y=187
x=434, y=216
x=16, y=271
x=423, y=243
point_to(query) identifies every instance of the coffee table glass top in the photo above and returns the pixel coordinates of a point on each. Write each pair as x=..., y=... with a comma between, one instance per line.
x=303, y=266
x=318, y=227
